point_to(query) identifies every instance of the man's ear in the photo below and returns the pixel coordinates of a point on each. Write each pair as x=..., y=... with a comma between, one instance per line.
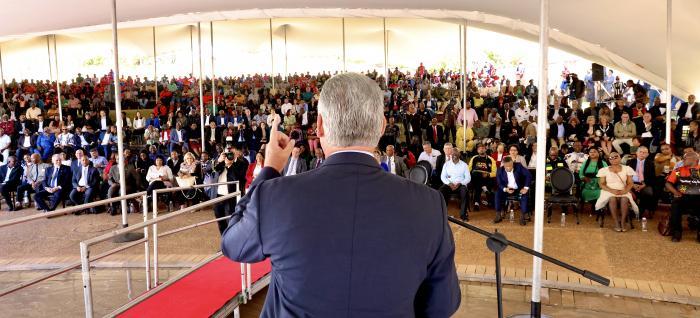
x=319, y=125
x=383, y=125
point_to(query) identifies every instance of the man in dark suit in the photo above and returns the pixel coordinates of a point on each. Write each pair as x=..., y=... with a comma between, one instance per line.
x=512, y=179
x=446, y=155
x=396, y=164
x=222, y=119
x=55, y=186
x=688, y=111
x=26, y=143
x=357, y=217
x=644, y=178
x=506, y=112
x=10, y=176
x=295, y=164
x=86, y=183
x=435, y=134
x=498, y=130
x=559, y=132
x=320, y=157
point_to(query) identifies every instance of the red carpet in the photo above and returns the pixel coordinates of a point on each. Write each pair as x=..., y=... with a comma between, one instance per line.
x=199, y=294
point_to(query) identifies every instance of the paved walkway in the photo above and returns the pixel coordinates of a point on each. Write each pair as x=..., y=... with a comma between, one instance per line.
x=479, y=300
x=640, y=264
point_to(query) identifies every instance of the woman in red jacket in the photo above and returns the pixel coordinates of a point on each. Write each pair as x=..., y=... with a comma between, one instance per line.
x=499, y=154
x=255, y=167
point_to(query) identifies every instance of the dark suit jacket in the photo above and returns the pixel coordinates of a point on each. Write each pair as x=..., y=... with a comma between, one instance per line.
x=503, y=130
x=502, y=113
x=93, y=176
x=15, y=175
x=27, y=124
x=522, y=176
x=440, y=136
x=63, y=178
x=363, y=243
x=230, y=176
x=314, y=161
x=22, y=137
x=554, y=130
x=301, y=166
x=207, y=134
x=649, y=172
x=693, y=108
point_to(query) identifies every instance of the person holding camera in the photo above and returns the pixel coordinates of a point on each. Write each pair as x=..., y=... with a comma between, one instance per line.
x=224, y=171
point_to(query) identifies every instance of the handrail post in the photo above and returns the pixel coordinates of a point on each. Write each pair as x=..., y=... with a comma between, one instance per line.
x=248, y=281
x=156, y=279
x=243, y=284
x=147, y=252
x=87, y=286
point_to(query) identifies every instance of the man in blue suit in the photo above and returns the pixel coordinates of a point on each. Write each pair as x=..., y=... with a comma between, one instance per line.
x=55, y=186
x=86, y=183
x=513, y=180
x=364, y=243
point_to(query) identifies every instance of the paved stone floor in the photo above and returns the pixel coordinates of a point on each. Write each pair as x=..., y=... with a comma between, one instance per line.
x=479, y=300
x=629, y=258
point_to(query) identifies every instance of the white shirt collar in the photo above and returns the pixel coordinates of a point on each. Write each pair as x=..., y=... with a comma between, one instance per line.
x=355, y=151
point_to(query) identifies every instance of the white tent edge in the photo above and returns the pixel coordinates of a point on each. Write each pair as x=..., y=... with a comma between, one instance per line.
x=506, y=25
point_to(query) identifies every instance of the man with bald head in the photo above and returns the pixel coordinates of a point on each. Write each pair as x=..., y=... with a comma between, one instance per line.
x=684, y=183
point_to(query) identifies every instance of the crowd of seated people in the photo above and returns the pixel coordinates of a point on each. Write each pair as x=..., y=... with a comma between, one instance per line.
x=491, y=132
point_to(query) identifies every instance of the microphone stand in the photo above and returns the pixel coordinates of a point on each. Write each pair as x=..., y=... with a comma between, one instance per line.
x=497, y=243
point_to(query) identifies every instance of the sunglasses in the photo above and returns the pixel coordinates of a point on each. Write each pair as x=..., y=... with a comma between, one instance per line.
x=614, y=157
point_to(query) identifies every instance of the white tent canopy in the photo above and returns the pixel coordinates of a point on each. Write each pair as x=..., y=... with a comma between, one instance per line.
x=628, y=35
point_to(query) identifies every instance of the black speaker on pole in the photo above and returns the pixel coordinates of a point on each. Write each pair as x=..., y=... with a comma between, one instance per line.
x=598, y=72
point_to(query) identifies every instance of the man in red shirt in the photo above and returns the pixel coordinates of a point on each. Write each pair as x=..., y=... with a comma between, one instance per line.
x=684, y=183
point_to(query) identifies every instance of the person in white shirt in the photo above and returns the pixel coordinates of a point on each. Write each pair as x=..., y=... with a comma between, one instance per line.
x=522, y=113
x=429, y=154
x=159, y=176
x=5, y=142
x=64, y=140
x=288, y=106
x=455, y=177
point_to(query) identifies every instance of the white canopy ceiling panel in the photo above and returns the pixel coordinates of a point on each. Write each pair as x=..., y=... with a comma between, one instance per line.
x=628, y=35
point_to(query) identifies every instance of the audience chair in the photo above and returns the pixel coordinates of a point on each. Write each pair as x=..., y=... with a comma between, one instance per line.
x=419, y=174
x=562, y=182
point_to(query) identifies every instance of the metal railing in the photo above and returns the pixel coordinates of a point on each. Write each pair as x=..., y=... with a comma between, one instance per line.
x=156, y=277
x=85, y=245
x=68, y=210
x=62, y=212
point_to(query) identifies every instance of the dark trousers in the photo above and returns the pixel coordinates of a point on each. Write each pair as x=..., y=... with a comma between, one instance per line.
x=463, y=198
x=24, y=189
x=5, y=189
x=155, y=185
x=479, y=181
x=54, y=199
x=678, y=206
x=223, y=209
x=501, y=200
x=647, y=199
x=79, y=198
x=451, y=131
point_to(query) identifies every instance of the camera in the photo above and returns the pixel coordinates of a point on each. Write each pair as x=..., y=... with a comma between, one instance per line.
x=230, y=155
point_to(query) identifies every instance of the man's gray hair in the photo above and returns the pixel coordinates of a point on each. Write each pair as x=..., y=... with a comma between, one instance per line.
x=352, y=107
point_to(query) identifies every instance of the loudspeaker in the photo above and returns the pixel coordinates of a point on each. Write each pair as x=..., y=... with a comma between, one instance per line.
x=598, y=72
